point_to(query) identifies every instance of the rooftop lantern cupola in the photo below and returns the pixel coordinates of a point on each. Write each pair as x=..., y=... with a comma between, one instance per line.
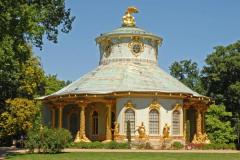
x=128, y=42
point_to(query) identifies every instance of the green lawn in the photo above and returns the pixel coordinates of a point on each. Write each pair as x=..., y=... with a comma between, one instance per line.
x=127, y=156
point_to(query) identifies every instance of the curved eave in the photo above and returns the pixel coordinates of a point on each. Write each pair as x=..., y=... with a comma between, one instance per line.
x=131, y=35
x=129, y=94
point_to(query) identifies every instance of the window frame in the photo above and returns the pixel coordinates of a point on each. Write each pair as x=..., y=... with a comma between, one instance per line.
x=158, y=121
x=125, y=122
x=178, y=122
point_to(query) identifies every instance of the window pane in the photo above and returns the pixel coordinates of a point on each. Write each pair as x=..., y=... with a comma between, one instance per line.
x=153, y=122
x=130, y=116
x=176, y=123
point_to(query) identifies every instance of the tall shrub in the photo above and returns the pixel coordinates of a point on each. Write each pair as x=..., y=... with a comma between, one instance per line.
x=48, y=140
x=217, y=125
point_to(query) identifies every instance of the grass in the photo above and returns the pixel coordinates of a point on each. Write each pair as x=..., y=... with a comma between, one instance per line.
x=127, y=156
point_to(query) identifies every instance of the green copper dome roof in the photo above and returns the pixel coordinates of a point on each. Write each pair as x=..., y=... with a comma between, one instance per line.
x=126, y=76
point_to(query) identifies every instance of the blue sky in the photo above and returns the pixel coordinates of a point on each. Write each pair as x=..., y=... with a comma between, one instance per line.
x=189, y=28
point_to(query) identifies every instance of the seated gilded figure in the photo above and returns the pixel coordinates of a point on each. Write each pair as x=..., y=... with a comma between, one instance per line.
x=141, y=131
x=166, y=131
x=116, y=128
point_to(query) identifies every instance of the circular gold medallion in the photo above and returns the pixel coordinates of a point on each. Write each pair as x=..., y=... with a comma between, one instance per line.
x=136, y=48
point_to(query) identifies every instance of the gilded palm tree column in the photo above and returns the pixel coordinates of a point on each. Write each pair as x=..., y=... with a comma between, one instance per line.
x=108, y=125
x=53, y=117
x=60, y=116
x=185, y=123
x=203, y=120
x=81, y=134
x=199, y=123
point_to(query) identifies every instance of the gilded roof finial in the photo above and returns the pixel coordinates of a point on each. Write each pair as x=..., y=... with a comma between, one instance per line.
x=128, y=20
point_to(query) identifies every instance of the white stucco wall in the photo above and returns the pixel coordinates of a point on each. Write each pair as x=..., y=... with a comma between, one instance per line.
x=122, y=50
x=142, y=112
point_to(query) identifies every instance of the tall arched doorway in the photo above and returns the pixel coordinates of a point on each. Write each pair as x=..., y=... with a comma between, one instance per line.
x=73, y=123
x=95, y=125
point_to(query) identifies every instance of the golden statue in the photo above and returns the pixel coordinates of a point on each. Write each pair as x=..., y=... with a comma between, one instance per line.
x=201, y=139
x=166, y=131
x=141, y=131
x=116, y=129
x=128, y=19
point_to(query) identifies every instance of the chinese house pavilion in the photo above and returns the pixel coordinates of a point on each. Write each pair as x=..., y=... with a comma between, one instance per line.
x=128, y=85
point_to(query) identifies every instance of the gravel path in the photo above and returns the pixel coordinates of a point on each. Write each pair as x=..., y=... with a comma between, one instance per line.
x=136, y=150
x=5, y=150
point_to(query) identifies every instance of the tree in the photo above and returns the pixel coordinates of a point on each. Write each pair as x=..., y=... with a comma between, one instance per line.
x=19, y=79
x=29, y=20
x=19, y=117
x=217, y=125
x=221, y=76
x=52, y=84
x=187, y=72
x=23, y=24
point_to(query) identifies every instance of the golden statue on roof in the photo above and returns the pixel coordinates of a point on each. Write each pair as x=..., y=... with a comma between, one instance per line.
x=128, y=20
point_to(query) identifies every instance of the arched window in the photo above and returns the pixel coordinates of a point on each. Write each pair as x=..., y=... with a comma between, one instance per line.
x=130, y=116
x=176, y=122
x=153, y=122
x=95, y=123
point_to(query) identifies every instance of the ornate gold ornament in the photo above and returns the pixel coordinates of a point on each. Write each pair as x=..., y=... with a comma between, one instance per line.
x=136, y=46
x=177, y=107
x=154, y=105
x=128, y=20
x=201, y=139
x=129, y=104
